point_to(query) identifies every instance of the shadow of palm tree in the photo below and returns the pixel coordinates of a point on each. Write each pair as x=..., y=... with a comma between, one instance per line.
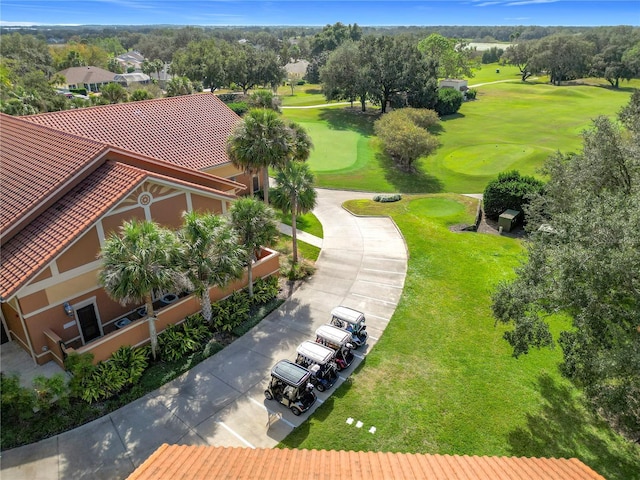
x=559, y=430
x=408, y=182
x=349, y=119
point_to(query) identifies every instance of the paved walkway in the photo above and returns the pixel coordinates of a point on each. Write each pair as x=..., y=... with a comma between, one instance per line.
x=220, y=401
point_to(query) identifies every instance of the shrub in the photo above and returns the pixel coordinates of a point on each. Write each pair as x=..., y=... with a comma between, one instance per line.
x=133, y=361
x=230, y=312
x=449, y=101
x=387, y=198
x=240, y=108
x=472, y=94
x=509, y=191
x=264, y=99
x=231, y=97
x=16, y=402
x=264, y=290
x=50, y=390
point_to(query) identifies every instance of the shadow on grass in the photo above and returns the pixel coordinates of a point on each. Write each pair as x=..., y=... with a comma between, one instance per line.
x=559, y=430
x=349, y=119
x=408, y=182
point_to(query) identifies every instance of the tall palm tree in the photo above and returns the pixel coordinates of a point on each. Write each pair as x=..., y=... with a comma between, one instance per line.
x=212, y=254
x=260, y=141
x=295, y=195
x=256, y=225
x=300, y=144
x=144, y=259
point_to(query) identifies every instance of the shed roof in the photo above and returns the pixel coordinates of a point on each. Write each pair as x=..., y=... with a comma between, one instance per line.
x=175, y=462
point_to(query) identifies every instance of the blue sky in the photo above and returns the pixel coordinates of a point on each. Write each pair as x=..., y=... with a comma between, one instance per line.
x=303, y=12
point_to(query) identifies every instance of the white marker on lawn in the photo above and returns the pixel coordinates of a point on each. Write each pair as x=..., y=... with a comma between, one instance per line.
x=359, y=424
x=349, y=420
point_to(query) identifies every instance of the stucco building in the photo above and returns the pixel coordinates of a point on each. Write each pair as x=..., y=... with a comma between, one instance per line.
x=71, y=178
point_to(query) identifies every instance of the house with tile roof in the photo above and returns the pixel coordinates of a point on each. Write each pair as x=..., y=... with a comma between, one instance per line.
x=175, y=462
x=62, y=194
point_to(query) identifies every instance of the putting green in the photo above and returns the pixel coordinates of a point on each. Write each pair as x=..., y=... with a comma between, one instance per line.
x=435, y=207
x=489, y=159
x=334, y=149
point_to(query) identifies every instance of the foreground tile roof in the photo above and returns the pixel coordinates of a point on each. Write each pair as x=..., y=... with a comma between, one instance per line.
x=35, y=163
x=189, y=130
x=175, y=462
x=51, y=232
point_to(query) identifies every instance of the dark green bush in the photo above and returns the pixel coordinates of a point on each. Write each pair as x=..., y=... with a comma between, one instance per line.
x=509, y=191
x=240, y=108
x=17, y=402
x=449, y=101
x=133, y=361
x=472, y=94
x=179, y=340
x=264, y=290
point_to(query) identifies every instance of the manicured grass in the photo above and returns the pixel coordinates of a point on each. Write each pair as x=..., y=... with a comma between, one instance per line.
x=487, y=73
x=307, y=223
x=441, y=379
x=305, y=250
x=511, y=125
x=309, y=94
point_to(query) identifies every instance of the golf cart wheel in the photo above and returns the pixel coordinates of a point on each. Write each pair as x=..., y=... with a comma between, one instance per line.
x=268, y=395
x=296, y=411
x=320, y=387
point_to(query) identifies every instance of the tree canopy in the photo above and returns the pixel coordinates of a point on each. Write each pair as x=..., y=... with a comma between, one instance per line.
x=584, y=264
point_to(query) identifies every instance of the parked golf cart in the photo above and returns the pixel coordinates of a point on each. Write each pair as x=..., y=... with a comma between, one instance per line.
x=290, y=385
x=319, y=360
x=352, y=321
x=340, y=341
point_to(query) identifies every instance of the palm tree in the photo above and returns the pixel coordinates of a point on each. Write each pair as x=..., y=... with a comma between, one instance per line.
x=256, y=225
x=300, y=144
x=295, y=195
x=212, y=255
x=114, y=93
x=260, y=141
x=144, y=259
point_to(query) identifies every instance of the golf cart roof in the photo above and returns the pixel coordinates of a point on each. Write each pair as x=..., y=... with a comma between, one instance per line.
x=333, y=334
x=315, y=352
x=347, y=314
x=290, y=373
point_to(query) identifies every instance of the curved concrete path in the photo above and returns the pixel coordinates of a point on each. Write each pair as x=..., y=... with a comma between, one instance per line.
x=220, y=401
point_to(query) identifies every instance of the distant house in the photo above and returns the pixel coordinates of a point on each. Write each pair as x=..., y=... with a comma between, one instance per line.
x=69, y=179
x=459, y=85
x=131, y=59
x=89, y=78
x=127, y=79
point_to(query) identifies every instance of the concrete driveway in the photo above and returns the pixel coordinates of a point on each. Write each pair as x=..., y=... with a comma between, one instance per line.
x=221, y=402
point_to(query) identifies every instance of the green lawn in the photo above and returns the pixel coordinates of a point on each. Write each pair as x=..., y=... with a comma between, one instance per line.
x=307, y=223
x=510, y=126
x=441, y=379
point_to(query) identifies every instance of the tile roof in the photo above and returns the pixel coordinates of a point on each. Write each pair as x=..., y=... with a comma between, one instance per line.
x=175, y=462
x=189, y=130
x=36, y=162
x=51, y=232
x=82, y=75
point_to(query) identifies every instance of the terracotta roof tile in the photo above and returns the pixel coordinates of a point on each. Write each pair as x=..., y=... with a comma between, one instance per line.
x=36, y=162
x=189, y=130
x=197, y=462
x=52, y=231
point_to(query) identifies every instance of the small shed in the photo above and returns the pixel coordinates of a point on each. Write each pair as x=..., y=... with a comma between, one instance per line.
x=459, y=85
x=508, y=219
